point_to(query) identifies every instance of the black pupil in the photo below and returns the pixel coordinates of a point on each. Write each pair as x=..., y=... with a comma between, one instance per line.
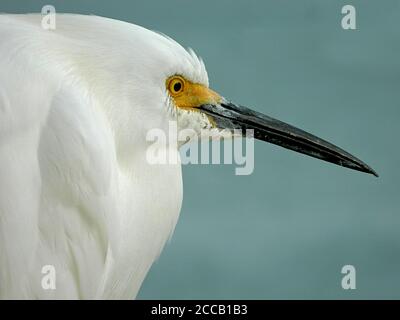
x=177, y=86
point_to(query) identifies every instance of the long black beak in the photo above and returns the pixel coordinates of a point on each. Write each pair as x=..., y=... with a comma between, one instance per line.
x=227, y=115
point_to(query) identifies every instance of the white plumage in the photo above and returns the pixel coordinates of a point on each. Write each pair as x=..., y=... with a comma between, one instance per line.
x=76, y=189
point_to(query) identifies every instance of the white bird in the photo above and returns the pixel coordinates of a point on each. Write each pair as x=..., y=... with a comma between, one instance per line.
x=76, y=190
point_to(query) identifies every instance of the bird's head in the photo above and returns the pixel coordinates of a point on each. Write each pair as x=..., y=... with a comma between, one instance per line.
x=171, y=83
x=201, y=109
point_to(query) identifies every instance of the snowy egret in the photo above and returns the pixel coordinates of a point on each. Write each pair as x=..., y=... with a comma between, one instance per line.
x=77, y=194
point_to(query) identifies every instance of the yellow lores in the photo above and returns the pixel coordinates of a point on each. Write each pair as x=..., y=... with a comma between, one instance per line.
x=189, y=95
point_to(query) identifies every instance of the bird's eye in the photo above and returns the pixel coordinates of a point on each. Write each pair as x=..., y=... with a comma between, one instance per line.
x=175, y=85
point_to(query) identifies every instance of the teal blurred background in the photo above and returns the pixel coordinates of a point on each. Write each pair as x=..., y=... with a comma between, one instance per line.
x=286, y=230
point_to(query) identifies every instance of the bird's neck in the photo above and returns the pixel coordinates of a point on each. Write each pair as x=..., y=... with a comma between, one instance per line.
x=150, y=202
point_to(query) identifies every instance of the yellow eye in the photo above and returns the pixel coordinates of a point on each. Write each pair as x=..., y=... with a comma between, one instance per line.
x=176, y=85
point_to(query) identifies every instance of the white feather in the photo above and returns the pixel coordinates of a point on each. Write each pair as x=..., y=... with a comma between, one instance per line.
x=76, y=189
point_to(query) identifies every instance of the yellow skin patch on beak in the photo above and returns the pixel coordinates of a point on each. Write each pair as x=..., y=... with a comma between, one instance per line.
x=189, y=95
